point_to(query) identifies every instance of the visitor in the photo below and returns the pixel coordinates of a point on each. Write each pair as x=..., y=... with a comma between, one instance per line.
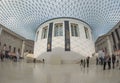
x=104, y=62
x=87, y=61
x=34, y=60
x=97, y=60
x=84, y=63
x=113, y=60
x=117, y=61
x=81, y=62
x=43, y=60
x=1, y=55
x=109, y=62
x=17, y=56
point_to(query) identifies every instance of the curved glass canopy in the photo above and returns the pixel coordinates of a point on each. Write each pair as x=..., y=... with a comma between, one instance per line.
x=24, y=16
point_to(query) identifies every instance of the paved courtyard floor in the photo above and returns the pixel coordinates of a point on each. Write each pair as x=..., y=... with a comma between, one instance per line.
x=22, y=72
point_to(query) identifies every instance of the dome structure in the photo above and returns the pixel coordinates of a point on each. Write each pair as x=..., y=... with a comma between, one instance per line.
x=24, y=16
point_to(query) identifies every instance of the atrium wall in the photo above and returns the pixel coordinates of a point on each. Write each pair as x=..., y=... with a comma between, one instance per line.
x=110, y=42
x=14, y=42
x=114, y=35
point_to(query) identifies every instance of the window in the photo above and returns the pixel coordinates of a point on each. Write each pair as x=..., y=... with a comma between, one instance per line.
x=10, y=48
x=58, y=30
x=119, y=45
x=37, y=36
x=14, y=50
x=86, y=32
x=44, y=32
x=74, y=30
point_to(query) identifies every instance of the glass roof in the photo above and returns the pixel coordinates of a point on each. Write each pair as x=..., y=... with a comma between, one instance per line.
x=24, y=16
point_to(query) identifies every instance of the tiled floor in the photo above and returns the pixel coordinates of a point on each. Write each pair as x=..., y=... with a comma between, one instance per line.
x=22, y=72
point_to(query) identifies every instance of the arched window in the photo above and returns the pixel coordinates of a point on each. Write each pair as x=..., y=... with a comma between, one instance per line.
x=14, y=49
x=10, y=48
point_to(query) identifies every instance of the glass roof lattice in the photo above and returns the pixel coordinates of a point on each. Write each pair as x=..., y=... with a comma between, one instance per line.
x=24, y=16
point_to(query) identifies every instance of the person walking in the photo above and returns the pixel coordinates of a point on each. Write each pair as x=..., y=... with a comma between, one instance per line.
x=84, y=63
x=104, y=62
x=117, y=61
x=1, y=55
x=109, y=62
x=17, y=56
x=81, y=62
x=43, y=60
x=87, y=61
x=113, y=60
x=97, y=60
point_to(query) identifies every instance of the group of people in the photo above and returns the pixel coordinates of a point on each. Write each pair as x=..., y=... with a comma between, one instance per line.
x=108, y=60
x=84, y=62
x=9, y=55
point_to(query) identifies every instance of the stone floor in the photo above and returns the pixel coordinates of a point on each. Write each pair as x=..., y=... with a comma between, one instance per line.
x=22, y=72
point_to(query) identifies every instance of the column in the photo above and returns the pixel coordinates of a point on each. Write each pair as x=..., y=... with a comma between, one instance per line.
x=114, y=42
x=0, y=36
x=23, y=48
x=109, y=46
x=0, y=30
x=118, y=38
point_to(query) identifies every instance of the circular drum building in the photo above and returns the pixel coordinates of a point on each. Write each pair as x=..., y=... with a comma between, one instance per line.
x=63, y=40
